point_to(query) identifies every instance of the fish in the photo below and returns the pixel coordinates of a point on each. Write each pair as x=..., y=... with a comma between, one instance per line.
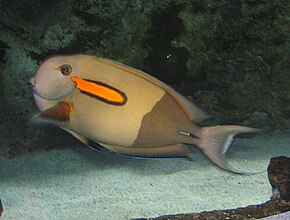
x=125, y=110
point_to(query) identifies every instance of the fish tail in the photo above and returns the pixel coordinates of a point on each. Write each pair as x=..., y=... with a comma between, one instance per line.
x=215, y=142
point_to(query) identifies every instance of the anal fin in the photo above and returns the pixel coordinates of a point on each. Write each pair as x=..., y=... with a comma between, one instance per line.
x=91, y=144
x=171, y=151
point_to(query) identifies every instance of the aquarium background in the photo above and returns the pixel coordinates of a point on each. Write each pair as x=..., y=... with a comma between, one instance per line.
x=231, y=58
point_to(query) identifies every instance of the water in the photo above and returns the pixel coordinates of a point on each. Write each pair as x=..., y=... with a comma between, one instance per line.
x=230, y=58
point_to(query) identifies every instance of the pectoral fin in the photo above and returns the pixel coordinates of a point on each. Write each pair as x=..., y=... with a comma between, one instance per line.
x=58, y=115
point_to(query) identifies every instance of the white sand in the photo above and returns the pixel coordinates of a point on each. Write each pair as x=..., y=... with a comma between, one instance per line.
x=79, y=183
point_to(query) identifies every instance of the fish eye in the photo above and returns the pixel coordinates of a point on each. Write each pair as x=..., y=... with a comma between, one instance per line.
x=65, y=69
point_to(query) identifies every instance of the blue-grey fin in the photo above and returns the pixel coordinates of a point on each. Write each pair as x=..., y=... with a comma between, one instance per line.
x=78, y=136
x=57, y=115
x=91, y=144
x=97, y=147
x=171, y=151
x=152, y=158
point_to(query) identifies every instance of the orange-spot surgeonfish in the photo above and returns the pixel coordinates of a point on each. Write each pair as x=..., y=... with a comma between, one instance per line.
x=125, y=110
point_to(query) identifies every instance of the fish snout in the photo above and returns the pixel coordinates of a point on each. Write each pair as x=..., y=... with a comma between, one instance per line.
x=32, y=82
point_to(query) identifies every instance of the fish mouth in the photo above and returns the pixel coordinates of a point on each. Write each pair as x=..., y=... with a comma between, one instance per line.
x=57, y=93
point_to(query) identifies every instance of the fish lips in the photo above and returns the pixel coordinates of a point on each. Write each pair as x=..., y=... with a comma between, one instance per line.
x=60, y=92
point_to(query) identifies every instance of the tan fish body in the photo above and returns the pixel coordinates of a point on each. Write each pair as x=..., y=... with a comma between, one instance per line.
x=124, y=110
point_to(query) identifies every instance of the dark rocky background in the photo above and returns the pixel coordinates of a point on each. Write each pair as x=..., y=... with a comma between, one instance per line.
x=230, y=57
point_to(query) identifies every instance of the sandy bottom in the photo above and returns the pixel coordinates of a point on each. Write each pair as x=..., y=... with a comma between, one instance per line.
x=79, y=183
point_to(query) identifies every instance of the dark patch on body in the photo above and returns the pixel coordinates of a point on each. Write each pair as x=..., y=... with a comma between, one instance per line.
x=161, y=126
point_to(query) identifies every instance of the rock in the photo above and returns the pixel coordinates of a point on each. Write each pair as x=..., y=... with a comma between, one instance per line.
x=1, y=208
x=250, y=212
x=279, y=177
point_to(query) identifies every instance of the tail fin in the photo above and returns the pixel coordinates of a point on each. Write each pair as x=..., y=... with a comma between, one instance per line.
x=215, y=142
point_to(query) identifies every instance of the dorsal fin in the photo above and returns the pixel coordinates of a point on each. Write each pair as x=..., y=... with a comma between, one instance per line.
x=193, y=112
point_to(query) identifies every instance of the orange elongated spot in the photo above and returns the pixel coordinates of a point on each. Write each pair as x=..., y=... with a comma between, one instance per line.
x=100, y=90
